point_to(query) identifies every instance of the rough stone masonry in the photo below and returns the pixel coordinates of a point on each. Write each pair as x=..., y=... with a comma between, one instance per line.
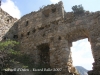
x=48, y=33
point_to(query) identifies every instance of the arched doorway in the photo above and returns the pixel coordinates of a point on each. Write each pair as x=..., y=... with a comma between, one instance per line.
x=82, y=56
x=79, y=34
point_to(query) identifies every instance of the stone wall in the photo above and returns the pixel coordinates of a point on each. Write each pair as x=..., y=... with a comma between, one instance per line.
x=7, y=27
x=7, y=31
x=54, y=30
x=58, y=29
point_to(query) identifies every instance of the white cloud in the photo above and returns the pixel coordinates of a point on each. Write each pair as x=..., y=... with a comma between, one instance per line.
x=81, y=54
x=11, y=8
x=55, y=1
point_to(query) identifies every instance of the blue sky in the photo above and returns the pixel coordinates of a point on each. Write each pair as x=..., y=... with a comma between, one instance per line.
x=27, y=6
x=81, y=50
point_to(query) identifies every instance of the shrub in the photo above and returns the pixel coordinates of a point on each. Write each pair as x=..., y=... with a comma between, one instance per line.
x=7, y=54
x=78, y=9
x=7, y=45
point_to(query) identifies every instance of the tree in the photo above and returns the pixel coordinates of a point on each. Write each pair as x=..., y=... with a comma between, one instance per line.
x=78, y=9
x=6, y=52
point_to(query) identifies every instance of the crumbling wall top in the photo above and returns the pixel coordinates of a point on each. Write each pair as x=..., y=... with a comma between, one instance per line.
x=3, y=13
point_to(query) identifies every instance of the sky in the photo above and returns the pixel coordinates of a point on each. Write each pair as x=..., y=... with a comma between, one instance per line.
x=82, y=54
x=81, y=50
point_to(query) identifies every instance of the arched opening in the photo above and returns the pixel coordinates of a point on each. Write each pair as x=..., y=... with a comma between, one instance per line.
x=82, y=54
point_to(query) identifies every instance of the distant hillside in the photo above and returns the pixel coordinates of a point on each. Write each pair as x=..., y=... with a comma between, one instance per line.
x=81, y=70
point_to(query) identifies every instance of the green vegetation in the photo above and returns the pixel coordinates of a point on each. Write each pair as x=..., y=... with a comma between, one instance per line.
x=16, y=58
x=7, y=46
x=78, y=9
x=7, y=51
x=13, y=55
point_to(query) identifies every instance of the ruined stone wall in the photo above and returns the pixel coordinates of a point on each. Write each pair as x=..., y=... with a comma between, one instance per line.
x=57, y=28
x=54, y=30
x=7, y=31
x=38, y=24
x=6, y=24
x=51, y=25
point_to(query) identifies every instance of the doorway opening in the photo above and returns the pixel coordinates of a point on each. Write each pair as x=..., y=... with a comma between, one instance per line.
x=44, y=55
x=82, y=54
